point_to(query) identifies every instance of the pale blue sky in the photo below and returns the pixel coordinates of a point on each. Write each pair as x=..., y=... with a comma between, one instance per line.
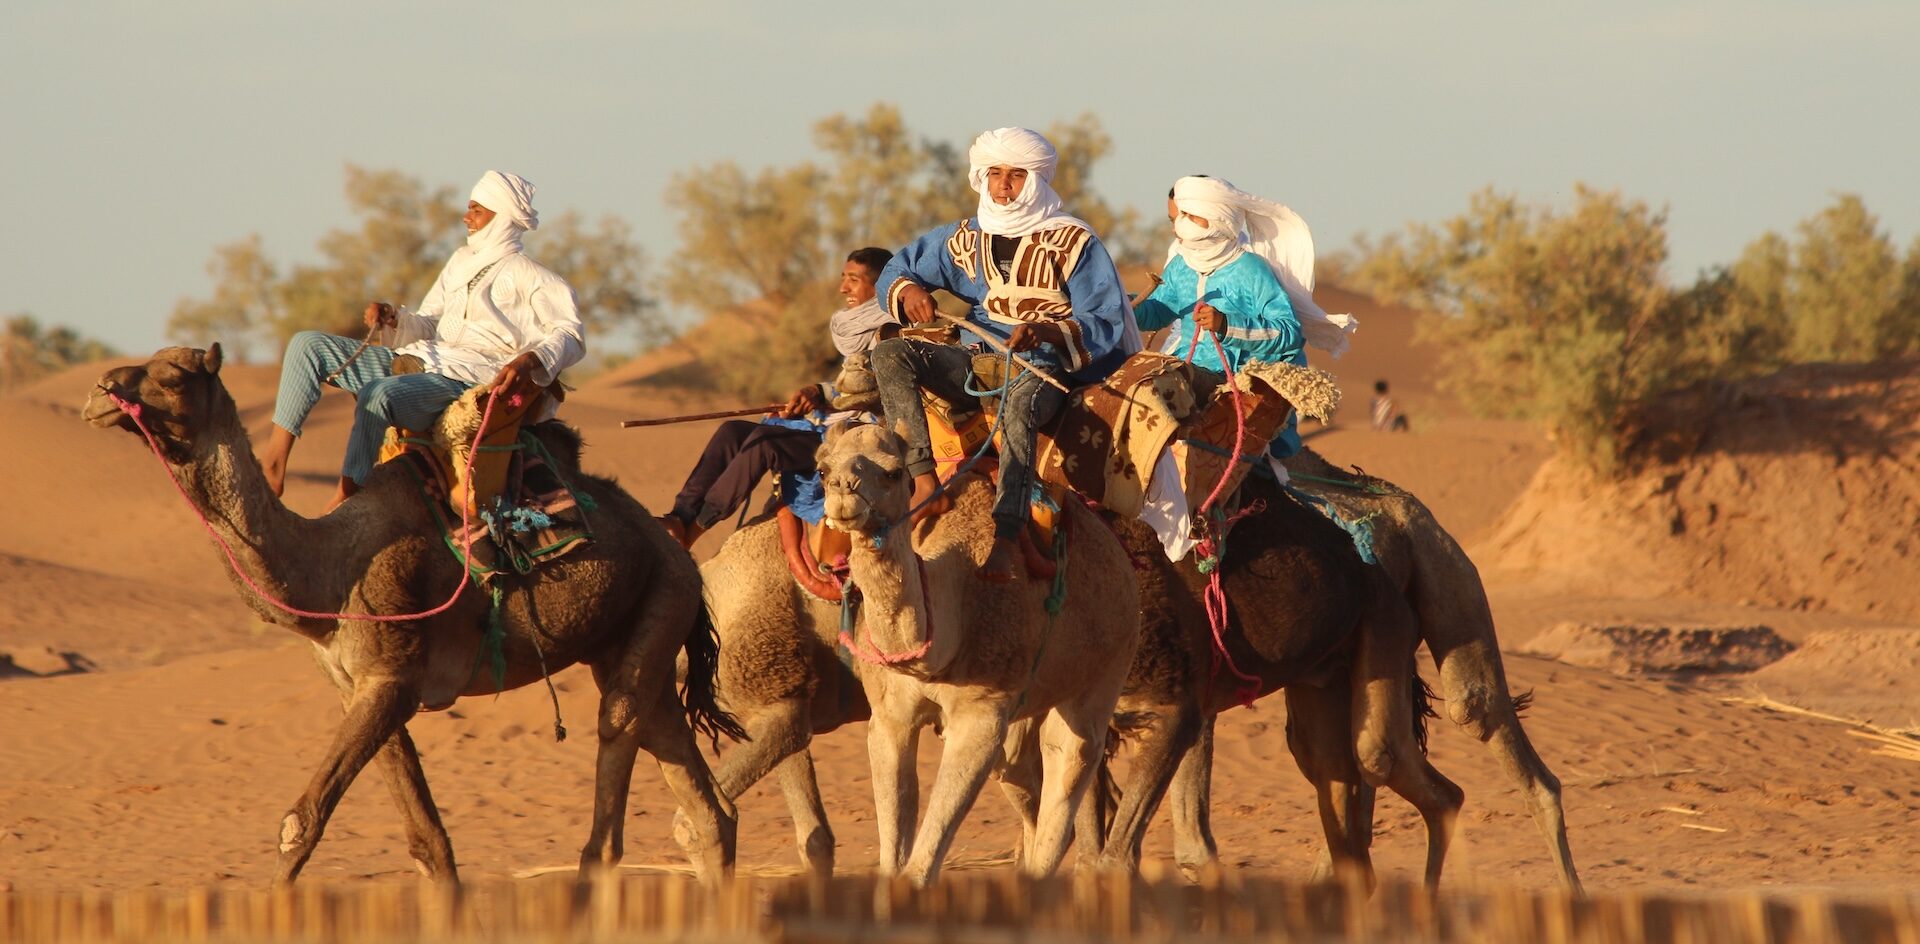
x=139, y=135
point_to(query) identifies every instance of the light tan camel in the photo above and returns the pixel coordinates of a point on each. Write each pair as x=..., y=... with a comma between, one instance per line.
x=971, y=656
x=624, y=604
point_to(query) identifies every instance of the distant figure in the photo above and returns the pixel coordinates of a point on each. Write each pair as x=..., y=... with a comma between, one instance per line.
x=1386, y=418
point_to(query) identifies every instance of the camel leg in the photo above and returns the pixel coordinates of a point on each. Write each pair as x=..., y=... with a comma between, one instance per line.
x=1318, y=733
x=427, y=838
x=1159, y=753
x=1538, y=786
x=1478, y=700
x=893, y=744
x=812, y=833
x=1384, y=722
x=1073, y=739
x=1020, y=779
x=399, y=762
x=1190, y=793
x=974, y=741
x=628, y=725
x=374, y=713
x=666, y=735
x=775, y=734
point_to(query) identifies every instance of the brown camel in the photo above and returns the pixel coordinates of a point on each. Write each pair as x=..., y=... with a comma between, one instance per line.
x=1444, y=589
x=1307, y=615
x=973, y=657
x=624, y=604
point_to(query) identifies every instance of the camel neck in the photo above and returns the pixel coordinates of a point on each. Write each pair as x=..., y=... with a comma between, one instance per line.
x=281, y=551
x=897, y=608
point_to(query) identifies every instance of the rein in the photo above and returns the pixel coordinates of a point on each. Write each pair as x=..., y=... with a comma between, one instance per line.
x=1213, y=547
x=133, y=411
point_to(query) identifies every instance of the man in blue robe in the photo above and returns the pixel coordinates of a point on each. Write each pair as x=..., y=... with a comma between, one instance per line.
x=1232, y=274
x=1039, y=281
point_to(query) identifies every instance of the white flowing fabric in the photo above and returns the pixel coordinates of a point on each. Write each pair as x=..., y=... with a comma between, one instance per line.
x=1271, y=231
x=855, y=330
x=1036, y=207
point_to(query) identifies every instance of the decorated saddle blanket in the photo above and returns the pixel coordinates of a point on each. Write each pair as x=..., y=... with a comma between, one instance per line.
x=517, y=503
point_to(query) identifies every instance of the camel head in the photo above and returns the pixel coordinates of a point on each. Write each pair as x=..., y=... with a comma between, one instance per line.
x=178, y=393
x=863, y=469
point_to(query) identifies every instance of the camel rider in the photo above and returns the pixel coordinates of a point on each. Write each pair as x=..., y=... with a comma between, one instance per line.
x=1039, y=281
x=1241, y=269
x=742, y=451
x=493, y=316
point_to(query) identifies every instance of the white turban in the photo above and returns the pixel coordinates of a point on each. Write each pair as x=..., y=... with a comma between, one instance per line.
x=509, y=195
x=1241, y=222
x=1036, y=207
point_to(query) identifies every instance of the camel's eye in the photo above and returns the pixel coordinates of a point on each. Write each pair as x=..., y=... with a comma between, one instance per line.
x=166, y=375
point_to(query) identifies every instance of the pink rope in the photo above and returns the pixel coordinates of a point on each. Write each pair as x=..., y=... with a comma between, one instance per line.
x=133, y=411
x=1215, y=596
x=872, y=654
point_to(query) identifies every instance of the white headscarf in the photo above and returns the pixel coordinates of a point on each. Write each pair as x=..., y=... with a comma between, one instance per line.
x=1241, y=222
x=1036, y=207
x=510, y=197
x=856, y=330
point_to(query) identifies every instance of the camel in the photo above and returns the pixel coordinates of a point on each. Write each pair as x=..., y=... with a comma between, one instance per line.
x=944, y=647
x=625, y=604
x=780, y=674
x=1443, y=586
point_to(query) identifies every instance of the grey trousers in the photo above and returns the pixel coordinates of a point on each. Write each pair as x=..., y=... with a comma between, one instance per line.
x=904, y=365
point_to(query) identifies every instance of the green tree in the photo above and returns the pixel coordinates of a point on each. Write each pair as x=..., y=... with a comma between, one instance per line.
x=1561, y=316
x=29, y=350
x=758, y=249
x=1845, y=291
x=404, y=235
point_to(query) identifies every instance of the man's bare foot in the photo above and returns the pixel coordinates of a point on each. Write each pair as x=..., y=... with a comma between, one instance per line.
x=1001, y=561
x=926, y=487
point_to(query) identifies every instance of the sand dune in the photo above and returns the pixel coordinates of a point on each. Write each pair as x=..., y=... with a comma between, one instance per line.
x=171, y=763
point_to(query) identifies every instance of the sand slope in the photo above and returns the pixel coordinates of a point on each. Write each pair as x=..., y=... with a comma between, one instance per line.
x=172, y=763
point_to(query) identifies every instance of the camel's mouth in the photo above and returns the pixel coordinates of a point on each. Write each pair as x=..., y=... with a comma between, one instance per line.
x=102, y=413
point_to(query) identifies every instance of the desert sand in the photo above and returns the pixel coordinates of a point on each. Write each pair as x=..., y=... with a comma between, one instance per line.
x=152, y=732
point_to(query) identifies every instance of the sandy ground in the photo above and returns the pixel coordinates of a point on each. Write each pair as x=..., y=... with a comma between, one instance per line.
x=169, y=760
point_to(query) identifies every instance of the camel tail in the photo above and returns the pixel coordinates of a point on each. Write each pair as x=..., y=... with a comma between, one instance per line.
x=1522, y=702
x=1423, y=697
x=704, y=713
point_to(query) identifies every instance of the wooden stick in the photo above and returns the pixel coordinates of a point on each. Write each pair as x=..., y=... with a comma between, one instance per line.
x=695, y=417
x=1002, y=348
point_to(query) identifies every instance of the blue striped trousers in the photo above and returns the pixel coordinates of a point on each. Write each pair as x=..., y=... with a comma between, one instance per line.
x=384, y=398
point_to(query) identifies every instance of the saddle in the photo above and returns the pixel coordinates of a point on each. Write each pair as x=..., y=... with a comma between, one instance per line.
x=515, y=500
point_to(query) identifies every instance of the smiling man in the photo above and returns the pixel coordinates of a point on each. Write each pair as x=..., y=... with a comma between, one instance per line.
x=493, y=316
x=1039, y=281
x=741, y=452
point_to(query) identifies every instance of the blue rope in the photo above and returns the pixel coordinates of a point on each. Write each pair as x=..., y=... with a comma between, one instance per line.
x=1359, y=529
x=880, y=537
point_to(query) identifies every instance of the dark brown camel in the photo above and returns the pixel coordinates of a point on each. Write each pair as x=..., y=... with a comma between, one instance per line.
x=624, y=604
